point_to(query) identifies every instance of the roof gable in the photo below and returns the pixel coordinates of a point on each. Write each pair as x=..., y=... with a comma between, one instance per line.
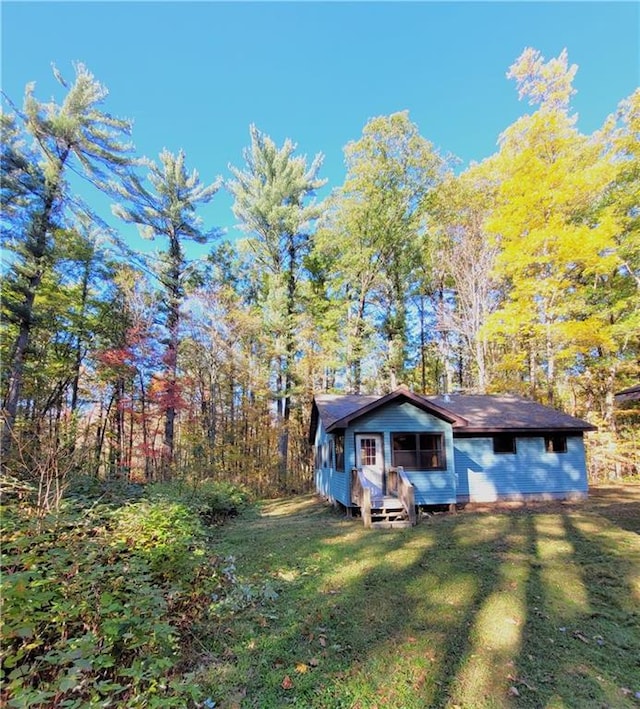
x=337, y=411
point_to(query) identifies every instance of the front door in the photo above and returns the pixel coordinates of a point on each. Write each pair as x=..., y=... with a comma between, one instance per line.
x=369, y=457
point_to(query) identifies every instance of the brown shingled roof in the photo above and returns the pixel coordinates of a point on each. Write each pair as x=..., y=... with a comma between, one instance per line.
x=507, y=412
x=468, y=413
x=333, y=407
x=629, y=394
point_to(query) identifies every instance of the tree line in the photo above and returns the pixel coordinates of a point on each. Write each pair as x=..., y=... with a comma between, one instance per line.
x=520, y=273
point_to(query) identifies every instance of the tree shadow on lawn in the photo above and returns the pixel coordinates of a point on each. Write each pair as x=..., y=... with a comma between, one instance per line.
x=472, y=610
x=568, y=655
x=620, y=504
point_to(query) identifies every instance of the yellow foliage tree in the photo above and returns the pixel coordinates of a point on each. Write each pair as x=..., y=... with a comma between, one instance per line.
x=557, y=236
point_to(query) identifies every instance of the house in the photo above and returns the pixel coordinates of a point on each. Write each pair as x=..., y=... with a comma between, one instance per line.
x=387, y=455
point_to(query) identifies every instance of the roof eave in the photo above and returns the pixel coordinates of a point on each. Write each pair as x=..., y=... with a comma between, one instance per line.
x=515, y=430
x=622, y=397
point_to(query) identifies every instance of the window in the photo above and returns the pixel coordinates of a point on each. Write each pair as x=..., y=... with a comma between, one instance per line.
x=504, y=444
x=418, y=451
x=555, y=444
x=332, y=454
x=339, y=445
x=368, y=451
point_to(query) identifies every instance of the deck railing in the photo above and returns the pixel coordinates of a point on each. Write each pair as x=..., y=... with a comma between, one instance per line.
x=406, y=493
x=399, y=484
x=361, y=494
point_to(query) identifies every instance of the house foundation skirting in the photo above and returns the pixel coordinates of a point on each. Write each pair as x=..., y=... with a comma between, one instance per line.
x=570, y=495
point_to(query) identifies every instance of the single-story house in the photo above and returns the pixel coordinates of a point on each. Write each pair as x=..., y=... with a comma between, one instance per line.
x=439, y=450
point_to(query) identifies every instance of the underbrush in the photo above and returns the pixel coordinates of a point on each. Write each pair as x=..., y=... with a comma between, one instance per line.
x=104, y=603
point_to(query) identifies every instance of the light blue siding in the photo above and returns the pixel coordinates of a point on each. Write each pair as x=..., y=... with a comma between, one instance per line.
x=431, y=487
x=474, y=471
x=330, y=483
x=484, y=476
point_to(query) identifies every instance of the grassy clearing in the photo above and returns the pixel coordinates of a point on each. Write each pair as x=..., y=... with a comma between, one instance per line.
x=534, y=606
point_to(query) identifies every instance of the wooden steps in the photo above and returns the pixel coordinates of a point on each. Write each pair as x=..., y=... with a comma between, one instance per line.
x=397, y=524
x=388, y=513
x=378, y=510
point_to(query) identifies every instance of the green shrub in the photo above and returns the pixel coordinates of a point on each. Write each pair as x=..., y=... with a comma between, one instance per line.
x=214, y=502
x=98, y=605
x=166, y=534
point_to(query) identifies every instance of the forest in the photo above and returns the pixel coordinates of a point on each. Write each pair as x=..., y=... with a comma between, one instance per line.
x=150, y=396
x=517, y=274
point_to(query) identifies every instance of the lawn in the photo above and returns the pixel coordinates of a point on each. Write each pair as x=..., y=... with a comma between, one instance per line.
x=534, y=606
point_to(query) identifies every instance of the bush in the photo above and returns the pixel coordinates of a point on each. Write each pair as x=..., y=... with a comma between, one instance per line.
x=215, y=502
x=98, y=604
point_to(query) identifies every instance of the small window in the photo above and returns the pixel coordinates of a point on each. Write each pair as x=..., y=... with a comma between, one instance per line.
x=555, y=444
x=339, y=446
x=418, y=451
x=368, y=451
x=504, y=444
x=332, y=454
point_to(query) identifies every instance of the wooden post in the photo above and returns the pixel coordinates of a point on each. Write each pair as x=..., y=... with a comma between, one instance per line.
x=366, y=507
x=406, y=493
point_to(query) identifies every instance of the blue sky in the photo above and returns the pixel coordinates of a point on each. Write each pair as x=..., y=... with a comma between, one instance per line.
x=194, y=75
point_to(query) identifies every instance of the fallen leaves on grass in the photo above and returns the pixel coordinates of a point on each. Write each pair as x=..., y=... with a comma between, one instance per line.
x=287, y=683
x=523, y=682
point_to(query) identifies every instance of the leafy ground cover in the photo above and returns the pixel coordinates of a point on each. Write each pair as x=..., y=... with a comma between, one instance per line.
x=517, y=606
x=104, y=600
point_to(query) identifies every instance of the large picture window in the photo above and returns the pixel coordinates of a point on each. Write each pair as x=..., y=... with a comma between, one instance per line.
x=418, y=451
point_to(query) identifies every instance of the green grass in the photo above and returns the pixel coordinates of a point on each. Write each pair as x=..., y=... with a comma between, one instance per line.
x=535, y=606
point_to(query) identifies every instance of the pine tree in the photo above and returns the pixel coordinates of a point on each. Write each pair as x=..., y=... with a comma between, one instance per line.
x=75, y=134
x=169, y=210
x=274, y=201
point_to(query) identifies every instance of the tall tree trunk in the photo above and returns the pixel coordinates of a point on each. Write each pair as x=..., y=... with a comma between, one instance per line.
x=38, y=234
x=117, y=443
x=171, y=358
x=101, y=432
x=423, y=346
x=75, y=385
x=288, y=378
x=145, y=430
x=481, y=365
x=16, y=371
x=551, y=366
x=354, y=355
